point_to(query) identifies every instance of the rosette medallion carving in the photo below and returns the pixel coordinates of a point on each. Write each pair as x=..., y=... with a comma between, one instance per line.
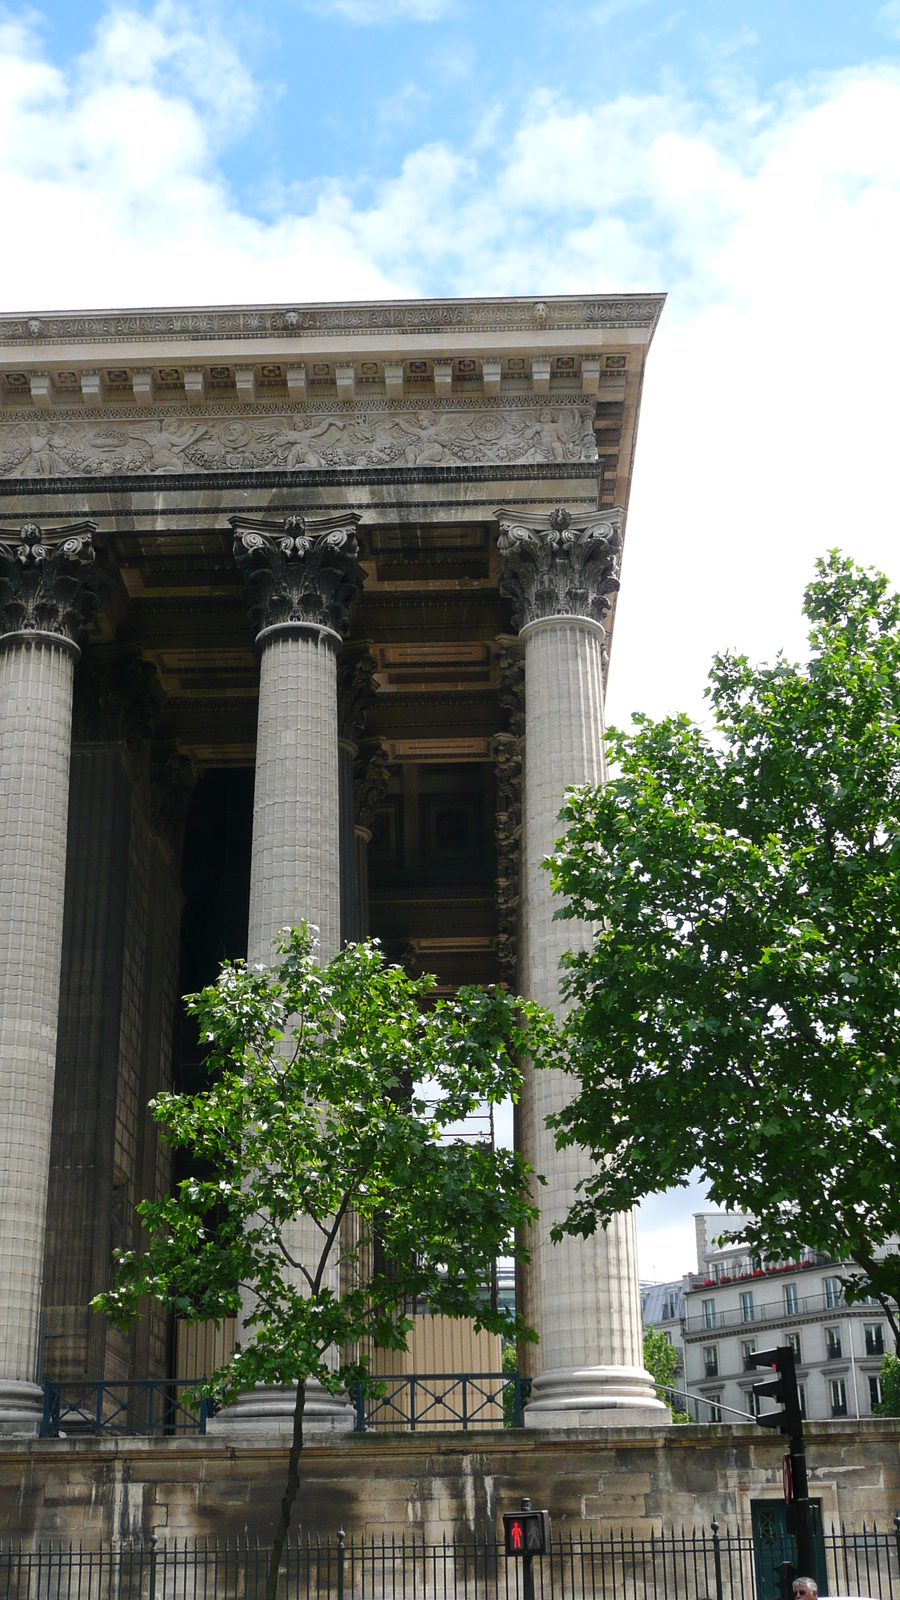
x=560, y=565
x=302, y=571
x=47, y=581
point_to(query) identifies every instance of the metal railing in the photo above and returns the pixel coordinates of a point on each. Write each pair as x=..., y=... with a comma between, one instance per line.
x=583, y=1565
x=466, y=1401
x=456, y=1400
x=153, y=1406
x=772, y=1311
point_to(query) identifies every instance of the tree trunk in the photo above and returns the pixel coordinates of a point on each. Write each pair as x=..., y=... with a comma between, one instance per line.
x=290, y=1492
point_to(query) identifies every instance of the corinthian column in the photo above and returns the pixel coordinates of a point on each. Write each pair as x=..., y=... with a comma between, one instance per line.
x=584, y=1298
x=301, y=577
x=45, y=598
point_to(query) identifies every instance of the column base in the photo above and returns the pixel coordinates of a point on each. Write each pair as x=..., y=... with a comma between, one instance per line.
x=269, y=1413
x=21, y=1409
x=595, y=1397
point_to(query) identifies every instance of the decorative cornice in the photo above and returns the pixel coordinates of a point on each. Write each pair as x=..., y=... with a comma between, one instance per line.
x=332, y=437
x=46, y=581
x=401, y=316
x=302, y=571
x=559, y=566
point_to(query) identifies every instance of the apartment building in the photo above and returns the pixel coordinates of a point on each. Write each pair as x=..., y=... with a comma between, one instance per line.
x=734, y=1305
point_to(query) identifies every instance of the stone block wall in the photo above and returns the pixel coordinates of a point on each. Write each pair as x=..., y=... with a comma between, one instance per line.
x=454, y=1484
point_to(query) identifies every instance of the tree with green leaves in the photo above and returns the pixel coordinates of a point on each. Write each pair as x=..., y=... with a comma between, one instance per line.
x=739, y=1012
x=335, y=1091
x=661, y=1361
x=889, y=1404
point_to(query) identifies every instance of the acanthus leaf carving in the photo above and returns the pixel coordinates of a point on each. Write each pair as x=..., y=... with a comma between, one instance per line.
x=301, y=570
x=372, y=771
x=356, y=690
x=47, y=580
x=558, y=565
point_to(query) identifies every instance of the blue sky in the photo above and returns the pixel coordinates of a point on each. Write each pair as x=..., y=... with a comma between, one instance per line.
x=744, y=157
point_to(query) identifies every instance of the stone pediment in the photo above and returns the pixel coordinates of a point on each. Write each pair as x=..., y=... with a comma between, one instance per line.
x=371, y=436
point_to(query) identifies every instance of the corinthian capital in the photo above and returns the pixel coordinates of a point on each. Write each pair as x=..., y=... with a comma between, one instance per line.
x=302, y=570
x=560, y=565
x=47, y=581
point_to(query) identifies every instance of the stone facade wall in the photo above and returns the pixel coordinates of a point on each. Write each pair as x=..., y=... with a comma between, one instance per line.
x=641, y=1479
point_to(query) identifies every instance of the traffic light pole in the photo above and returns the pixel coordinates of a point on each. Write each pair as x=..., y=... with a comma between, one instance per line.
x=802, y=1511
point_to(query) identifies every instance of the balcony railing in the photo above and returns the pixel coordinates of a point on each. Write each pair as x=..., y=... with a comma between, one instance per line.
x=774, y=1311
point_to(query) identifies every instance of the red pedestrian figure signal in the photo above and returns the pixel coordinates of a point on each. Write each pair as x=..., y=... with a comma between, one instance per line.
x=526, y=1533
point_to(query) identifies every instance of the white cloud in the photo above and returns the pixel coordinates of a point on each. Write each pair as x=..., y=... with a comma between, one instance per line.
x=366, y=12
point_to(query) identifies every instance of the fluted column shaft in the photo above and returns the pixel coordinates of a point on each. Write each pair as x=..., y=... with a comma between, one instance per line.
x=295, y=866
x=42, y=605
x=35, y=744
x=586, y=1298
x=300, y=578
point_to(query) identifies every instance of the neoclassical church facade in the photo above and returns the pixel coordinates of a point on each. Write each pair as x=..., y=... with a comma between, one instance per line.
x=305, y=611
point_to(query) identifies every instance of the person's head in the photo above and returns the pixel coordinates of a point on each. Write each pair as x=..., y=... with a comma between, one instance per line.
x=805, y=1589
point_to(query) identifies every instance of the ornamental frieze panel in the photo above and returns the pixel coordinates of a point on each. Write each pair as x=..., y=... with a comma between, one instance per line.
x=628, y=311
x=325, y=438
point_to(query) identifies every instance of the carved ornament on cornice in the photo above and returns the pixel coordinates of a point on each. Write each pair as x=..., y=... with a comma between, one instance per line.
x=258, y=322
x=47, y=582
x=299, y=571
x=559, y=565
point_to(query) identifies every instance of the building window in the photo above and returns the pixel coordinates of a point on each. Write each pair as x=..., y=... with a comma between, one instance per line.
x=838, y=1389
x=832, y=1288
x=715, y=1410
x=874, y=1390
x=711, y=1361
x=709, y=1314
x=791, y=1303
x=874, y=1332
x=748, y=1348
x=801, y=1391
x=747, y=1312
x=833, y=1349
x=753, y=1403
x=793, y=1340
x=668, y=1310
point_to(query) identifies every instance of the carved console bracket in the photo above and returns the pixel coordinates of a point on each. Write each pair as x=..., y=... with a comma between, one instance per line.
x=47, y=582
x=558, y=565
x=302, y=572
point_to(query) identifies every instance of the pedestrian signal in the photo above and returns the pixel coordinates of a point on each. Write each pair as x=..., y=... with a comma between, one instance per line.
x=526, y=1533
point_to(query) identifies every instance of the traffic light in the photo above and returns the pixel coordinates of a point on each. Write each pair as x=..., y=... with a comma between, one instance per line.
x=526, y=1533
x=783, y=1388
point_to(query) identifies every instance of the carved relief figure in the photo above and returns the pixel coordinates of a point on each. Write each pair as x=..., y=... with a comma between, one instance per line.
x=368, y=439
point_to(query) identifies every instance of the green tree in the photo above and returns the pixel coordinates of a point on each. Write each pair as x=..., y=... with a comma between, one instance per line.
x=315, y=1111
x=740, y=1009
x=661, y=1361
x=889, y=1404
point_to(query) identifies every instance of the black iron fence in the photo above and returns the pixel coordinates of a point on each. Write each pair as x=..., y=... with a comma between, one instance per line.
x=459, y=1400
x=701, y=1565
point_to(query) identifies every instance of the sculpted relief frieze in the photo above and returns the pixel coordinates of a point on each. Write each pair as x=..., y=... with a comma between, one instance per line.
x=464, y=435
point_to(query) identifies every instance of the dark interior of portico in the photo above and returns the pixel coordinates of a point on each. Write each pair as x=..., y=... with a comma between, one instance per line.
x=160, y=834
